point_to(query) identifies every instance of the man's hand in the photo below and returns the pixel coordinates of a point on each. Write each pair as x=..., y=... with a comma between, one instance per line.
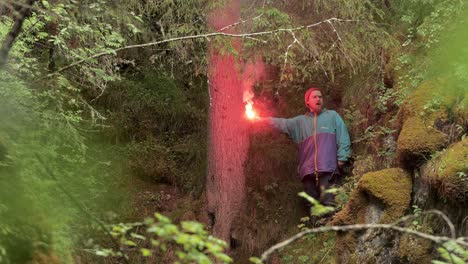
x=341, y=163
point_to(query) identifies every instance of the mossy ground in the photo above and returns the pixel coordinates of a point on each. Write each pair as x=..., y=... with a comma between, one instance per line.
x=314, y=248
x=42, y=258
x=460, y=111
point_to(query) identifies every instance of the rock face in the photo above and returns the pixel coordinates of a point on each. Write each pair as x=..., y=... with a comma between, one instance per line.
x=435, y=157
x=381, y=197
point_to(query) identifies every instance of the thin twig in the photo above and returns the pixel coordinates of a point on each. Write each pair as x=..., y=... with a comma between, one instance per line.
x=242, y=21
x=328, y=251
x=437, y=212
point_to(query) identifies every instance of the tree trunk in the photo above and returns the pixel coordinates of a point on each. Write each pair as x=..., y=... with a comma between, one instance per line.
x=228, y=137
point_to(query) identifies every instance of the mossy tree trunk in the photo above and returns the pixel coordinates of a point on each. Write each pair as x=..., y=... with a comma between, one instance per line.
x=228, y=137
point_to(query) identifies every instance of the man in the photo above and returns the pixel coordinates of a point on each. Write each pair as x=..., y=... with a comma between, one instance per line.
x=323, y=142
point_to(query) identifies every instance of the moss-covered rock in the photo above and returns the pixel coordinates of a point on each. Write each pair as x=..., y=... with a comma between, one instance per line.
x=427, y=106
x=415, y=250
x=448, y=172
x=431, y=99
x=381, y=197
x=419, y=139
x=390, y=187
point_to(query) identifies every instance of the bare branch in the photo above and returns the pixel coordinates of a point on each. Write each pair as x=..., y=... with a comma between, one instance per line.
x=437, y=239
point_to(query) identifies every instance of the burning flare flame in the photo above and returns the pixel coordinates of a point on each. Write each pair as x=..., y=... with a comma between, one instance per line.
x=247, y=98
x=249, y=112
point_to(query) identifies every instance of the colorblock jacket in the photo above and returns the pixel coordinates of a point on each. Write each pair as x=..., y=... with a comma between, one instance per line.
x=322, y=139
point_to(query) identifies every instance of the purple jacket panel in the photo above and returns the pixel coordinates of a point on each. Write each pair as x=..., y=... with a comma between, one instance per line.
x=326, y=161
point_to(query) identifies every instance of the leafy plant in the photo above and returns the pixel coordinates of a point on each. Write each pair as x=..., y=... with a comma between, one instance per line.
x=317, y=208
x=452, y=253
x=190, y=242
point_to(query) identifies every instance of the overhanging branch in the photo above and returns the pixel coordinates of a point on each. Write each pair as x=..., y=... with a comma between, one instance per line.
x=204, y=36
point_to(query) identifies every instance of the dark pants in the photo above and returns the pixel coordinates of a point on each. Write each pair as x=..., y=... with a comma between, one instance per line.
x=326, y=180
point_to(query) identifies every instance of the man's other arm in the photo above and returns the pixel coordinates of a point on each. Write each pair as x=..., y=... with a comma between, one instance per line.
x=342, y=140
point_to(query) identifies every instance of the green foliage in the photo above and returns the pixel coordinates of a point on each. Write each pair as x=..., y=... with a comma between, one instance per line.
x=255, y=260
x=168, y=19
x=416, y=224
x=317, y=209
x=319, y=52
x=433, y=45
x=162, y=126
x=51, y=164
x=452, y=253
x=46, y=159
x=190, y=242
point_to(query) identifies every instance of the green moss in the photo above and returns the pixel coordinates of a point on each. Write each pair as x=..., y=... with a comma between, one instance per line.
x=45, y=258
x=448, y=172
x=415, y=250
x=352, y=212
x=431, y=98
x=419, y=138
x=430, y=102
x=345, y=247
x=391, y=186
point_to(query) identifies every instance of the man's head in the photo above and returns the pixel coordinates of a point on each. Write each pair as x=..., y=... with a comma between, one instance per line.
x=313, y=99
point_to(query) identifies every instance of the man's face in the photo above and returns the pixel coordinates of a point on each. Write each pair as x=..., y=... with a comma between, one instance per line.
x=315, y=101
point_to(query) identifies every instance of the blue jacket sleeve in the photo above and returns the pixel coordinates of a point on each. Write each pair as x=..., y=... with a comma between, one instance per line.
x=286, y=125
x=342, y=139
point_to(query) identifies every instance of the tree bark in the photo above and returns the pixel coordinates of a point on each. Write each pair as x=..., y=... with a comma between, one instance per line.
x=10, y=38
x=228, y=137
